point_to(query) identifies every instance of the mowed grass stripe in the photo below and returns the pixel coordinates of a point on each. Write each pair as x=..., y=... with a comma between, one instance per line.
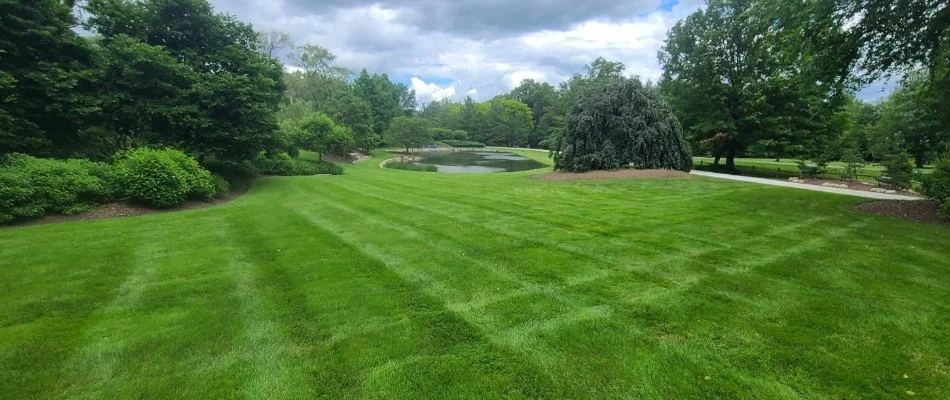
x=420, y=275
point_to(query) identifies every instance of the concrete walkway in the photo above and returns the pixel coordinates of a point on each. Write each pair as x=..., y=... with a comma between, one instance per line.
x=773, y=182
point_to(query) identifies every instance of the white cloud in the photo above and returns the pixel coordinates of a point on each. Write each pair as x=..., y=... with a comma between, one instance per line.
x=478, y=64
x=426, y=92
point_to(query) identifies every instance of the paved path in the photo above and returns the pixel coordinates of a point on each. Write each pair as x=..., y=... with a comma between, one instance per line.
x=773, y=182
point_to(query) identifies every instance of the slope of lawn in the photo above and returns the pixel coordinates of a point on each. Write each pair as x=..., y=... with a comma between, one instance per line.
x=395, y=284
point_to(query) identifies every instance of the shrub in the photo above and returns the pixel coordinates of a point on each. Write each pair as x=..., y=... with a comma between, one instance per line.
x=282, y=164
x=163, y=177
x=30, y=187
x=412, y=166
x=230, y=169
x=463, y=143
x=897, y=170
x=936, y=185
x=221, y=185
x=273, y=164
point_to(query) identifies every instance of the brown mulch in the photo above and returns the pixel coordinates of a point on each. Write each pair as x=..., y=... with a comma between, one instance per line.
x=120, y=209
x=615, y=174
x=914, y=210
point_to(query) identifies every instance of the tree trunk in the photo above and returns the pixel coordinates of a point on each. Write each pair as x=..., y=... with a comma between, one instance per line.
x=716, y=160
x=919, y=162
x=731, y=154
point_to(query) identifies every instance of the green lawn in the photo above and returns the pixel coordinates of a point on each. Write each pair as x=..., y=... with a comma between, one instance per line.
x=395, y=284
x=784, y=168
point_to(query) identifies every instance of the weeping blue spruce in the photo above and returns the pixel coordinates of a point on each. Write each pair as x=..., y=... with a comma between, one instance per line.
x=619, y=123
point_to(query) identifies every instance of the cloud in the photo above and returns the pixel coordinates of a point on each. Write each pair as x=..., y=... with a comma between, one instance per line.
x=426, y=92
x=481, y=48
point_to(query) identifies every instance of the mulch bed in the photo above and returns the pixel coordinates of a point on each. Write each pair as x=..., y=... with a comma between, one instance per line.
x=615, y=174
x=120, y=209
x=913, y=210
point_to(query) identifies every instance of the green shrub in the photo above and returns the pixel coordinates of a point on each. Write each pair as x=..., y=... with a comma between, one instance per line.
x=282, y=164
x=897, y=170
x=230, y=169
x=163, y=177
x=463, y=143
x=221, y=185
x=30, y=187
x=936, y=185
x=273, y=164
x=411, y=166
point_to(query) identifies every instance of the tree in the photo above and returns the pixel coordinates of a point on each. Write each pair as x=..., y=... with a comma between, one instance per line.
x=617, y=123
x=45, y=91
x=737, y=70
x=269, y=43
x=388, y=100
x=146, y=97
x=318, y=133
x=408, y=132
x=541, y=98
x=354, y=112
x=906, y=113
x=317, y=61
x=236, y=89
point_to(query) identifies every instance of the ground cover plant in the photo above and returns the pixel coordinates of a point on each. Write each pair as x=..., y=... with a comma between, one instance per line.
x=392, y=284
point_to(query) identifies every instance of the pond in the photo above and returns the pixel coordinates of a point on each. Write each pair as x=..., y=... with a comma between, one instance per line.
x=478, y=162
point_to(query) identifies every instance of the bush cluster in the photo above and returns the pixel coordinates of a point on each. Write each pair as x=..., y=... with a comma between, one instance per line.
x=936, y=185
x=284, y=165
x=412, y=166
x=463, y=143
x=163, y=178
x=30, y=187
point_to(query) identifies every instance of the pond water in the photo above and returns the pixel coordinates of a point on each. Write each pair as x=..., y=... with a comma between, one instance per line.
x=478, y=162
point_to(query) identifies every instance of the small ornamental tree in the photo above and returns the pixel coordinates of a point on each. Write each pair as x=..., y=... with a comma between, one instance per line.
x=617, y=123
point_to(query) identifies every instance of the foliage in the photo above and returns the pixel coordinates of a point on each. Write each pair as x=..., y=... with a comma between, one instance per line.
x=408, y=166
x=230, y=91
x=733, y=68
x=163, y=178
x=387, y=100
x=853, y=160
x=30, y=187
x=318, y=133
x=221, y=186
x=45, y=95
x=542, y=99
x=408, y=132
x=281, y=164
x=463, y=143
x=617, y=123
x=936, y=185
x=897, y=170
x=146, y=98
x=906, y=113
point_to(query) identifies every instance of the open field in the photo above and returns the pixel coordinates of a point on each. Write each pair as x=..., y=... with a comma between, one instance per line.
x=384, y=283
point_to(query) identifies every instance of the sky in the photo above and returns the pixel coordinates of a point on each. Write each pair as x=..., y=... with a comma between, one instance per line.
x=479, y=48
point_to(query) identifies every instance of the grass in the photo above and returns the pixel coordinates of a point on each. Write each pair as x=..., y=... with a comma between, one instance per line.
x=784, y=168
x=391, y=284
x=408, y=166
